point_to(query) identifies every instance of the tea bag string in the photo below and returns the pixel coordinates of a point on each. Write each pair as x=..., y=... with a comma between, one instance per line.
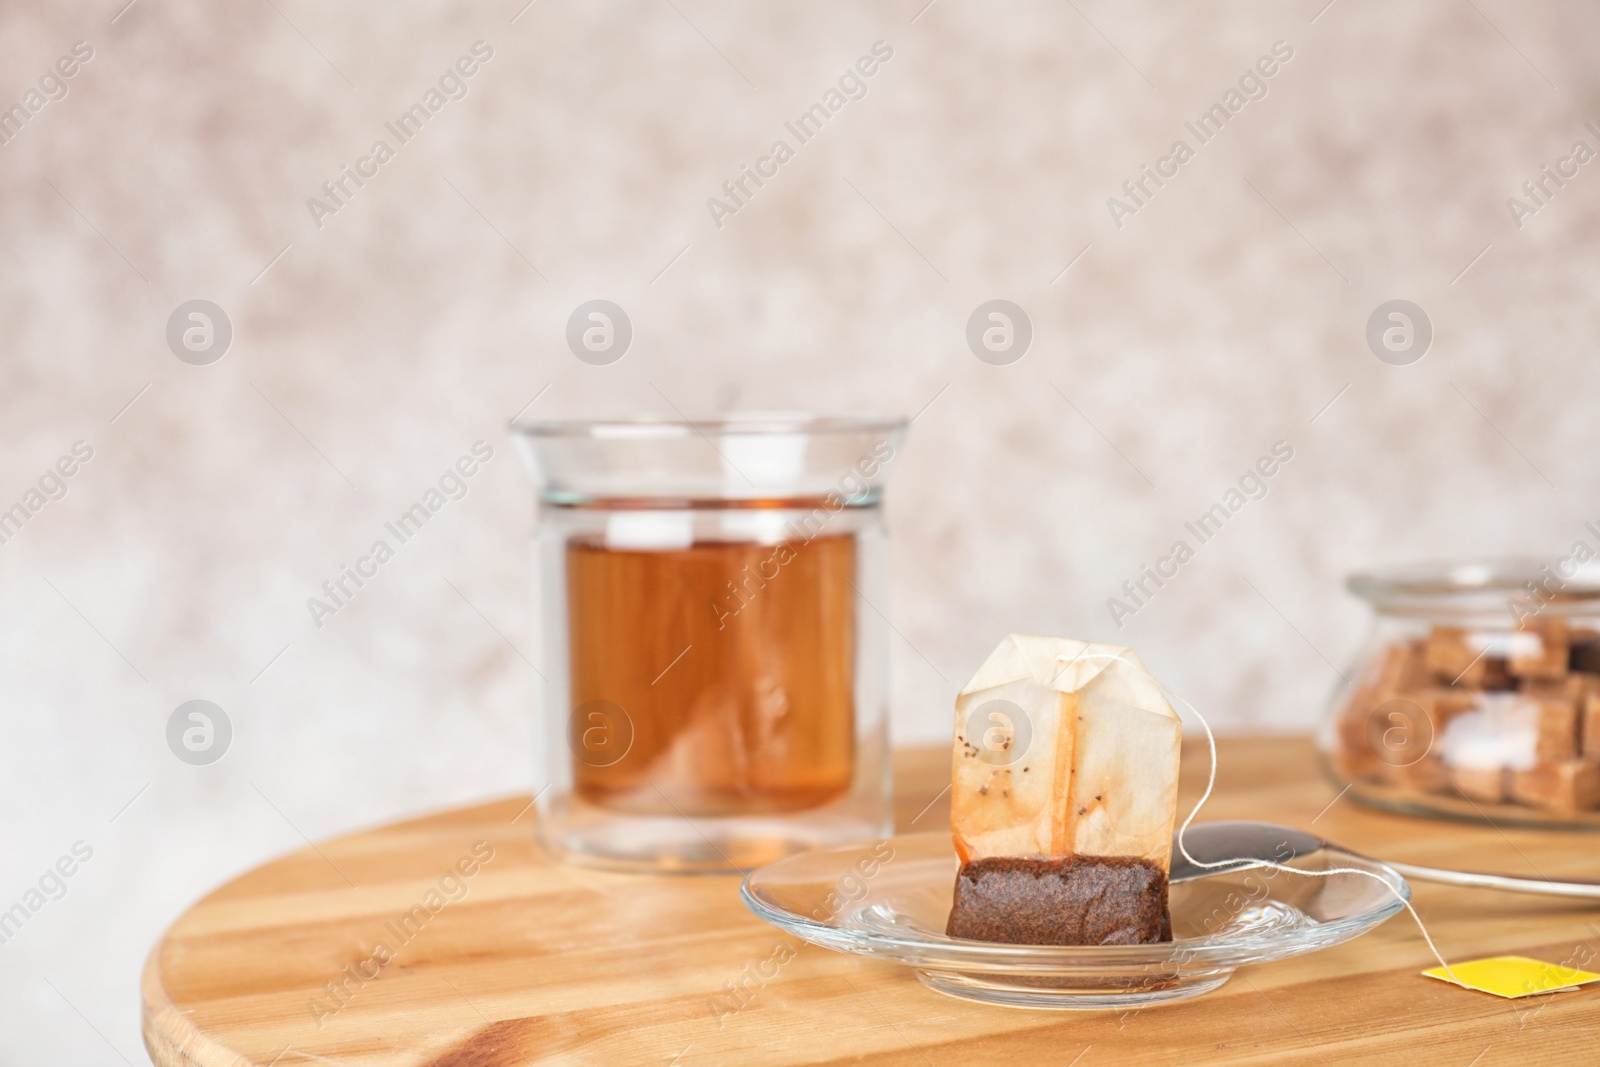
x=1211, y=781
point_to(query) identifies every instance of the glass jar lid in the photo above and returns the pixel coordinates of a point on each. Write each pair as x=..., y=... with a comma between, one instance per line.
x=1514, y=587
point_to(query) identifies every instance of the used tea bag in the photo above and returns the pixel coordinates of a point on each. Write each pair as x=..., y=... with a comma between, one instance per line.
x=1064, y=792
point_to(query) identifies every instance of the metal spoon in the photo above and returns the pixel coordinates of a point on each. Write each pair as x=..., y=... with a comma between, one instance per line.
x=1241, y=844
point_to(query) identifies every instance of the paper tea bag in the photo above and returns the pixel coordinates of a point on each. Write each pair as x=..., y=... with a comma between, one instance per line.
x=1064, y=792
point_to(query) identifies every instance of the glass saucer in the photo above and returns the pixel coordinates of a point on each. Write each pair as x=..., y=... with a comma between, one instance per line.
x=890, y=899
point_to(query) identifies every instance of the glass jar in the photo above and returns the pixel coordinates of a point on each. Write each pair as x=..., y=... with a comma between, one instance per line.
x=1477, y=694
x=715, y=653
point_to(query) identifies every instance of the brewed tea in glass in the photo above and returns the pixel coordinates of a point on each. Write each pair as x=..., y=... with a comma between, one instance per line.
x=715, y=651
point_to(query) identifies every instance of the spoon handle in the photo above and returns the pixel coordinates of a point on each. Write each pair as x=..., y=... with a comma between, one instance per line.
x=1564, y=888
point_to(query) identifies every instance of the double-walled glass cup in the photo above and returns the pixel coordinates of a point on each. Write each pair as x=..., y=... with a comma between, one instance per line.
x=715, y=653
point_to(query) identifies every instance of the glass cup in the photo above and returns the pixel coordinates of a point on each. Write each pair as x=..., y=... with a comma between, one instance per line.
x=1477, y=694
x=715, y=653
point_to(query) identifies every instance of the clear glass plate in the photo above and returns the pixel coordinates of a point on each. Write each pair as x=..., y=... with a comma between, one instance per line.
x=890, y=899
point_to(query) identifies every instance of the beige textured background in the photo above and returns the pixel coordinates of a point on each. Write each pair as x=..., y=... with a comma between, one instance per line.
x=1221, y=318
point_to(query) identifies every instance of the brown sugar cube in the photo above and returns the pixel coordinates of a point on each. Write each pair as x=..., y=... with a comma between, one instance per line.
x=1428, y=774
x=1558, y=727
x=1575, y=686
x=1589, y=732
x=1359, y=752
x=1354, y=757
x=1441, y=703
x=1569, y=786
x=1452, y=658
x=1399, y=667
x=1353, y=754
x=1539, y=649
x=1583, y=689
x=1580, y=689
x=1476, y=783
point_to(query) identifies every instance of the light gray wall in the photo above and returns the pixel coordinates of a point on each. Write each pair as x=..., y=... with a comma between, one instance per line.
x=1219, y=319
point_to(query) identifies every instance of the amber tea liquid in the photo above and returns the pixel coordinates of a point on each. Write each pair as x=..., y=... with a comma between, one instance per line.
x=732, y=664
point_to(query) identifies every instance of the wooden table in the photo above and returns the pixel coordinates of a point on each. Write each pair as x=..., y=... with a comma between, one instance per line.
x=540, y=962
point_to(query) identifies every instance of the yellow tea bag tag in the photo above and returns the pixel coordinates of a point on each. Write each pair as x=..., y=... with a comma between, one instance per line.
x=1513, y=976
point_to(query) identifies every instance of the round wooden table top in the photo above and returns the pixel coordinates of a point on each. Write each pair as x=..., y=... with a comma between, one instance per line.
x=452, y=940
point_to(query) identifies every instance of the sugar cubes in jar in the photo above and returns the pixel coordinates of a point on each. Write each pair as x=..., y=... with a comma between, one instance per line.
x=1477, y=695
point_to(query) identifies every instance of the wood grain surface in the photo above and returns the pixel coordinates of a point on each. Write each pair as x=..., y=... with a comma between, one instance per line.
x=524, y=960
